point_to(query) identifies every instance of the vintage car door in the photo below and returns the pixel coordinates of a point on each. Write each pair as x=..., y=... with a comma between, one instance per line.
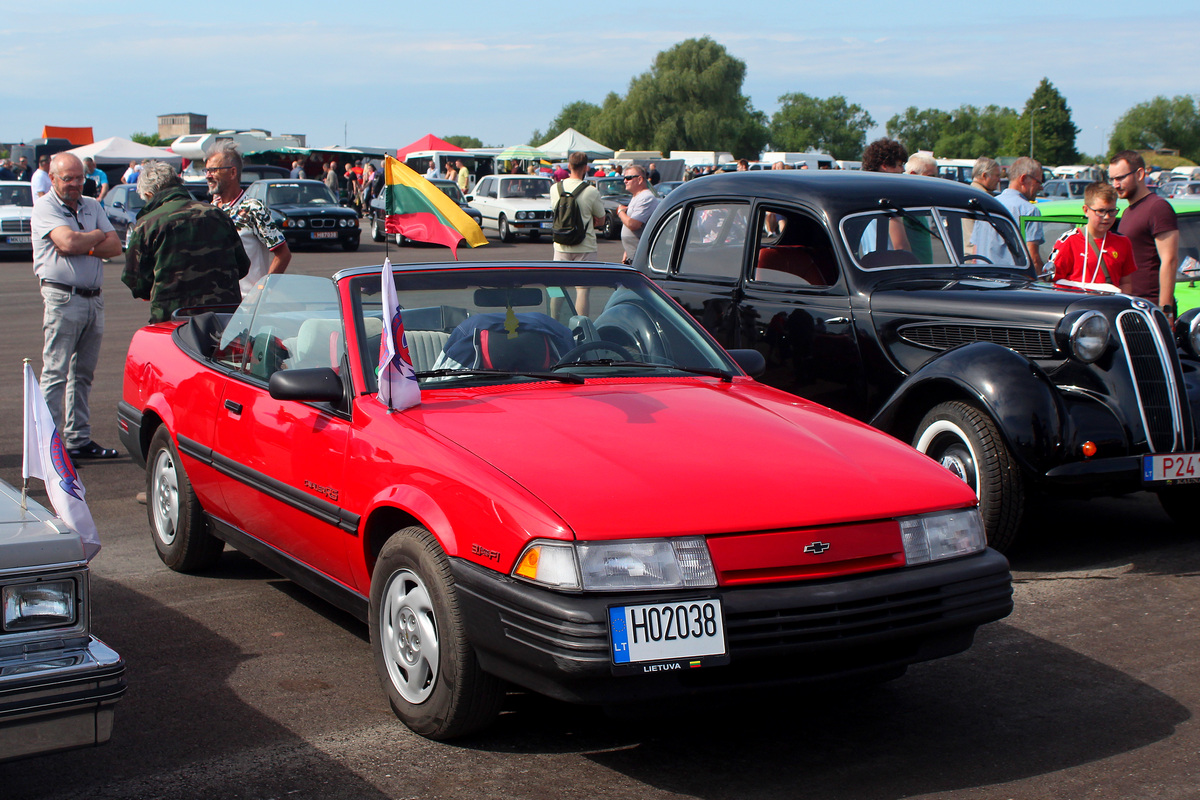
x=484, y=200
x=285, y=458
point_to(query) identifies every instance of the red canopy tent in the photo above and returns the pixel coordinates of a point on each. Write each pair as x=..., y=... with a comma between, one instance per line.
x=426, y=142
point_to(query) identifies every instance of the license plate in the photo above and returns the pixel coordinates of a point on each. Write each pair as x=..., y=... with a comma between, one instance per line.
x=1171, y=468
x=545, y=224
x=324, y=234
x=678, y=635
x=19, y=240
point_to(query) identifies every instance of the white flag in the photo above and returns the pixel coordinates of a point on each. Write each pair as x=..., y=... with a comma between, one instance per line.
x=398, y=388
x=46, y=458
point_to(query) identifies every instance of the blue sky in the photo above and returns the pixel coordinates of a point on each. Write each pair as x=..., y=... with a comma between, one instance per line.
x=382, y=74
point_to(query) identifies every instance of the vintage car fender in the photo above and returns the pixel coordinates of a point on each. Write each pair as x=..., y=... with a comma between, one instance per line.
x=1010, y=388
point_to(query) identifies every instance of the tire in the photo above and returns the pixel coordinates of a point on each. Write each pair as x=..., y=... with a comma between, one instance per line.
x=428, y=669
x=377, y=233
x=535, y=236
x=350, y=245
x=1181, y=504
x=967, y=442
x=177, y=522
x=612, y=226
x=506, y=234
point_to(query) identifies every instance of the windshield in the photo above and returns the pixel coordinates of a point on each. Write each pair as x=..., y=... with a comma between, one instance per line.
x=932, y=237
x=451, y=190
x=469, y=327
x=18, y=195
x=533, y=188
x=611, y=188
x=299, y=194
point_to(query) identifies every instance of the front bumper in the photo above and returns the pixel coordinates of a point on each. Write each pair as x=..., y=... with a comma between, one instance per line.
x=309, y=236
x=59, y=699
x=558, y=644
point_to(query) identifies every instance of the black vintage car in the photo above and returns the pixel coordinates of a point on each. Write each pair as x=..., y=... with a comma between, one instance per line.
x=448, y=188
x=864, y=292
x=307, y=212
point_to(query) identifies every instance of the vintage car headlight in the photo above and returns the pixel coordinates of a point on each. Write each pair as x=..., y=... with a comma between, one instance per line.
x=33, y=606
x=1088, y=336
x=299, y=223
x=945, y=534
x=623, y=565
x=520, y=215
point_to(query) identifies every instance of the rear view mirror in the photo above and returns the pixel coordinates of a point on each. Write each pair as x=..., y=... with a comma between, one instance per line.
x=503, y=298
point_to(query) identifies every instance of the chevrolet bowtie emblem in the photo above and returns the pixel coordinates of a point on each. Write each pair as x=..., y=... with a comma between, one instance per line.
x=816, y=548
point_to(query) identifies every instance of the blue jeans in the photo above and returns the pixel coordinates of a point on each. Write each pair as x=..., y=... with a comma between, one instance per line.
x=73, y=327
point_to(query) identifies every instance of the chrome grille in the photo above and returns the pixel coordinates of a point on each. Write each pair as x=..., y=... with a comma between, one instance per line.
x=14, y=226
x=323, y=223
x=1153, y=379
x=1027, y=342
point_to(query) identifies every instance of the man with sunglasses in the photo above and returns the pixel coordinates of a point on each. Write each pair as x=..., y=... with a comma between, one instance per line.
x=635, y=215
x=1151, y=227
x=1095, y=253
x=261, y=237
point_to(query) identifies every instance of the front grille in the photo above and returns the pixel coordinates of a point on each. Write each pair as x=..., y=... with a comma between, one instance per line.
x=1152, y=378
x=14, y=226
x=1027, y=342
x=323, y=223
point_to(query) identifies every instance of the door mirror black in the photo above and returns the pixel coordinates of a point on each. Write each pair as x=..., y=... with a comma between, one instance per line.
x=317, y=385
x=751, y=362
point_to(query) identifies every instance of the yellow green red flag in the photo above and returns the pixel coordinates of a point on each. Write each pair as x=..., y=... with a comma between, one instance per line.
x=422, y=212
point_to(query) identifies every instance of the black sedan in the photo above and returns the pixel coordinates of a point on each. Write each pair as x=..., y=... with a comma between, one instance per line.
x=307, y=212
x=910, y=303
x=449, y=188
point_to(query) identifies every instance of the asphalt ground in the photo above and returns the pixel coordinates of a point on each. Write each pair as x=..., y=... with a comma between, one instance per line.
x=242, y=685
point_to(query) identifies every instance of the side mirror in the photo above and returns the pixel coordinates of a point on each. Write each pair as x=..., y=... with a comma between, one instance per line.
x=751, y=362
x=317, y=385
x=470, y=197
x=119, y=205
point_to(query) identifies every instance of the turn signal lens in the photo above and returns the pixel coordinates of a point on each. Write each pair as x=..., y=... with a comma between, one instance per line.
x=1088, y=449
x=548, y=564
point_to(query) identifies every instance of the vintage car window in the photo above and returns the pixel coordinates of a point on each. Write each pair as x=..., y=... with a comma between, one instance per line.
x=18, y=195
x=287, y=322
x=531, y=188
x=484, y=189
x=889, y=239
x=664, y=243
x=481, y=326
x=299, y=194
x=984, y=239
x=793, y=250
x=716, y=240
x=1189, y=236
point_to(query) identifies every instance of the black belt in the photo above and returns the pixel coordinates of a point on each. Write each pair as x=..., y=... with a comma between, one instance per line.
x=72, y=289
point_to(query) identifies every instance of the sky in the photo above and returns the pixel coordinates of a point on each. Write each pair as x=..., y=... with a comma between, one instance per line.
x=385, y=74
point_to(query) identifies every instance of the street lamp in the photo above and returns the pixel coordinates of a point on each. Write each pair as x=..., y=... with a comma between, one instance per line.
x=1039, y=108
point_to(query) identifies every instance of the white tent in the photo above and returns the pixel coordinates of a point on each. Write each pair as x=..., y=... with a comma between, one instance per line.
x=116, y=150
x=571, y=141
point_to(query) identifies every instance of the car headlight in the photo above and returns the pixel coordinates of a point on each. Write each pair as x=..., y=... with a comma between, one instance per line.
x=945, y=534
x=520, y=215
x=299, y=223
x=1089, y=334
x=33, y=606
x=623, y=565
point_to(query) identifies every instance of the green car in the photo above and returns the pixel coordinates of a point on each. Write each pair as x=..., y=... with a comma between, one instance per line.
x=1059, y=216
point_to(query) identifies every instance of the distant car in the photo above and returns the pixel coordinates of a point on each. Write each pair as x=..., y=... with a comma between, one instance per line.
x=513, y=204
x=613, y=194
x=448, y=187
x=664, y=188
x=122, y=205
x=1186, y=189
x=307, y=212
x=16, y=206
x=59, y=685
x=1063, y=189
x=198, y=188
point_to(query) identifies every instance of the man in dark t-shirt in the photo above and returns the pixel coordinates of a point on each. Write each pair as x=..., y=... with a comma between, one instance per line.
x=1150, y=225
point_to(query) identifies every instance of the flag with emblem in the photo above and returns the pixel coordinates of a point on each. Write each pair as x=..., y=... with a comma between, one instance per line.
x=46, y=459
x=398, y=388
x=422, y=212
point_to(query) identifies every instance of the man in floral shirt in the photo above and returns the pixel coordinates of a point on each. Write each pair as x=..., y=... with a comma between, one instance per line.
x=260, y=236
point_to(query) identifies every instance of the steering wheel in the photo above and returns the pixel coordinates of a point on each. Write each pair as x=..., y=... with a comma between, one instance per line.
x=976, y=257
x=575, y=352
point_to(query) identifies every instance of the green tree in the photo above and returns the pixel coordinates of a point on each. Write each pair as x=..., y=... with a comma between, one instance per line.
x=580, y=115
x=918, y=129
x=465, y=142
x=691, y=99
x=1052, y=131
x=831, y=124
x=1159, y=123
x=966, y=132
x=150, y=139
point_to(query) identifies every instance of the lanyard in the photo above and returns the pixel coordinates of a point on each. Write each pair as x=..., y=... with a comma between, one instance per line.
x=1089, y=243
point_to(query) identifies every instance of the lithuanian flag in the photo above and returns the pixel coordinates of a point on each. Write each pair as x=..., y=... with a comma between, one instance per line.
x=419, y=210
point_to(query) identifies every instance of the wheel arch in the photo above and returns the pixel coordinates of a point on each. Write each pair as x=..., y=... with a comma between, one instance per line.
x=400, y=508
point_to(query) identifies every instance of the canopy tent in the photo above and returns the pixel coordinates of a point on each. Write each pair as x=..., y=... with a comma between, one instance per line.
x=426, y=142
x=520, y=152
x=571, y=141
x=116, y=150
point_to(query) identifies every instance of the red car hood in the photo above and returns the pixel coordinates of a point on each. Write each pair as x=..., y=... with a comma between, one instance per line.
x=692, y=456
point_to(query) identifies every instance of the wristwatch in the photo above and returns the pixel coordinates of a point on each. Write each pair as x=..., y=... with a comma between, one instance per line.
x=1169, y=310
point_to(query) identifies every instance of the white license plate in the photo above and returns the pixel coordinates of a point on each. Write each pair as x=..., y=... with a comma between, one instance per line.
x=545, y=224
x=681, y=631
x=324, y=234
x=1172, y=468
x=19, y=240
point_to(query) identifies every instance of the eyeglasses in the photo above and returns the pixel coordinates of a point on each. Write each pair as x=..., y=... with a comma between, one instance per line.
x=1115, y=178
x=1103, y=212
x=214, y=170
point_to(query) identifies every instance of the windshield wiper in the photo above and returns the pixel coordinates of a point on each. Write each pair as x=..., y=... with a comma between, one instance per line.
x=904, y=212
x=561, y=377
x=711, y=372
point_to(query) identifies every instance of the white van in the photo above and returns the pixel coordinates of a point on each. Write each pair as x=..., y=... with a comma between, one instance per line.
x=814, y=160
x=478, y=164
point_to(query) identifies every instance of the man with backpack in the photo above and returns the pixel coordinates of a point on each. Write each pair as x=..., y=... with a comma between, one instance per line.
x=578, y=211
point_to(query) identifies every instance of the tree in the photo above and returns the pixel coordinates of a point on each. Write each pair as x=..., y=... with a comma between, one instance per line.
x=580, y=115
x=465, y=142
x=832, y=125
x=1159, y=123
x=1053, y=132
x=966, y=132
x=691, y=99
x=151, y=139
x=918, y=129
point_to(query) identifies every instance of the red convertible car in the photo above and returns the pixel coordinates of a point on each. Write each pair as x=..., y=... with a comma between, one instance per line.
x=592, y=499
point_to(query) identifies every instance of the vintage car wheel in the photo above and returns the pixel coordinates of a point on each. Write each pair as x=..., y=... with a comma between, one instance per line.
x=612, y=226
x=1180, y=503
x=965, y=441
x=377, y=233
x=177, y=522
x=426, y=665
x=503, y=229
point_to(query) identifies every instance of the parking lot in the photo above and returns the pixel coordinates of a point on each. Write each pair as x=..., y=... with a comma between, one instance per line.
x=243, y=685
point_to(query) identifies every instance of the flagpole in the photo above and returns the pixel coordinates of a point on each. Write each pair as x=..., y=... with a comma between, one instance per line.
x=25, y=478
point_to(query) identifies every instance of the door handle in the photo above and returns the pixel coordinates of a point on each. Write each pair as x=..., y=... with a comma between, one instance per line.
x=234, y=407
x=837, y=320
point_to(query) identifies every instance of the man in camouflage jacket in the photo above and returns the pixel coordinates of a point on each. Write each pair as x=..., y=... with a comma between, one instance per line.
x=181, y=252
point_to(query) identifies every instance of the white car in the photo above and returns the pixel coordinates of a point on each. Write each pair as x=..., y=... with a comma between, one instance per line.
x=512, y=204
x=16, y=206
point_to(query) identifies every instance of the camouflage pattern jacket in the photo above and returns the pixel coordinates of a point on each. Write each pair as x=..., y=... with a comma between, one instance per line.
x=183, y=253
